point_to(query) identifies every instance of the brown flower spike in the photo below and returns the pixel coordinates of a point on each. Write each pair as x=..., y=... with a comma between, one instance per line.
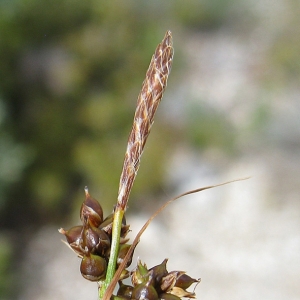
x=148, y=100
x=147, y=103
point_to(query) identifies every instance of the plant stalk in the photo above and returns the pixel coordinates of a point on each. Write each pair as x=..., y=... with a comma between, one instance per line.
x=111, y=268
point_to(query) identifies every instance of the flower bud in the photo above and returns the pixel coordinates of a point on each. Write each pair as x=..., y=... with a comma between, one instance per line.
x=125, y=290
x=140, y=274
x=144, y=291
x=91, y=210
x=74, y=238
x=95, y=240
x=93, y=267
x=158, y=272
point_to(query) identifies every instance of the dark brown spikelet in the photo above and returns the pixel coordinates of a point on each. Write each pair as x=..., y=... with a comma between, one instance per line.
x=147, y=103
x=157, y=283
x=91, y=210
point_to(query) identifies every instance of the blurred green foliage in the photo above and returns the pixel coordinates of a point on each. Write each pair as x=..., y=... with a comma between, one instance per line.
x=6, y=282
x=70, y=73
x=206, y=126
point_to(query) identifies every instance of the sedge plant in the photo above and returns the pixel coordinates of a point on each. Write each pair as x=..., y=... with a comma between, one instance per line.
x=102, y=243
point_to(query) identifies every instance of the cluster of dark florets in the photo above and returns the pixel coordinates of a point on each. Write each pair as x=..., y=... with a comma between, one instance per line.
x=91, y=241
x=156, y=284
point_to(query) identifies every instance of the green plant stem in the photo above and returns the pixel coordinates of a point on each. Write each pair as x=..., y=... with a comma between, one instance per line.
x=111, y=268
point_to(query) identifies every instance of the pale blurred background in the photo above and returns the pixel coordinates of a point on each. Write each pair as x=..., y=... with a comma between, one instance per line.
x=70, y=73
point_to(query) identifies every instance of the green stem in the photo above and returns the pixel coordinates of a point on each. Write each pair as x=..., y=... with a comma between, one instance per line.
x=111, y=268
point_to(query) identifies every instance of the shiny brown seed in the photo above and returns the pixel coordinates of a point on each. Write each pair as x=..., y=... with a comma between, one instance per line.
x=93, y=267
x=125, y=290
x=95, y=240
x=90, y=238
x=144, y=291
